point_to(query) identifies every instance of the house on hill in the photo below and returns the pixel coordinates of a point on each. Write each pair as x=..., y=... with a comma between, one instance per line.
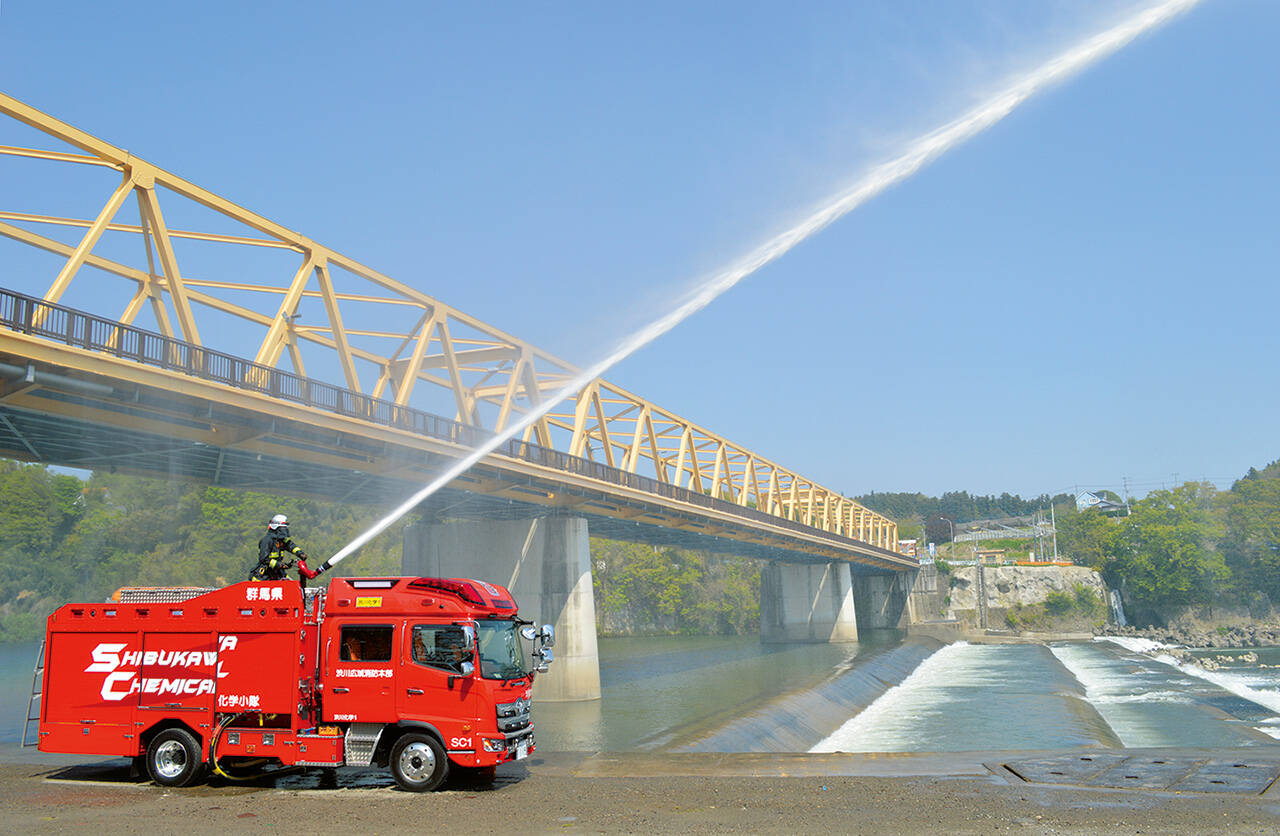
x=1089, y=500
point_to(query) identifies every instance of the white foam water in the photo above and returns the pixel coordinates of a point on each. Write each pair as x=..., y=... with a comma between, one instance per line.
x=1255, y=689
x=869, y=726
x=1148, y=698
x=1107, y=685
x=968, y=697
x=1267, y=698
x=1135, y=643
x=918, y=154
x=1254, y=686
x=1132, y=702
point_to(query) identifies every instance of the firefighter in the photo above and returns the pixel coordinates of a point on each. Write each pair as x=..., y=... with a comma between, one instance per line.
x=274, y=550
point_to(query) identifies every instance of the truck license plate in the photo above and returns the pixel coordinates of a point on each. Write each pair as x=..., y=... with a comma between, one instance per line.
x=522, y=751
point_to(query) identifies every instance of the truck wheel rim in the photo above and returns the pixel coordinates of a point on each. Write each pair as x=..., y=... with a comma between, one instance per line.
x=171, y=759
x=417, y=762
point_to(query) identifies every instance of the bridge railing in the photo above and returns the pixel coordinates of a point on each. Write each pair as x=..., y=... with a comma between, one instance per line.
x=30, y=315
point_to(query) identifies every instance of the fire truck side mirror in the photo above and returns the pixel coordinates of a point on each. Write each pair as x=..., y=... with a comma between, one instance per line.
x=548, y=635
x=465, y=669
x=545, y=657
x=528, y=633
x=469, y=634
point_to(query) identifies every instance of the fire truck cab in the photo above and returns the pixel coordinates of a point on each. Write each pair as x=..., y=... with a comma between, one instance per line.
x=419, y=675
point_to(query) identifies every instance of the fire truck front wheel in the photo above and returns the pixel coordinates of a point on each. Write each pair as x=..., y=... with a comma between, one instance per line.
x=173, y=758
x=418, y=762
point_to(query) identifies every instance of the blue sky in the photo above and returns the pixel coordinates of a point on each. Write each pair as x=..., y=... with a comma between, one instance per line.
x=1080, y=294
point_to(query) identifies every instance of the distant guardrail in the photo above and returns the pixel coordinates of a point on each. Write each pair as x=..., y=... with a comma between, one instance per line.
x=1045, y=530
x=1009, y=562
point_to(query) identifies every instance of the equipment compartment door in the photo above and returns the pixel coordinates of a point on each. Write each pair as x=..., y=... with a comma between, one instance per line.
x=178, y=671
x=258, y=672
x=91, y=693
x=360, y=673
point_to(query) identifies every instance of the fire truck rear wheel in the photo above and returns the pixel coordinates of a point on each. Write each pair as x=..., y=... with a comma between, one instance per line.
x=174, y=758
x=418, y=762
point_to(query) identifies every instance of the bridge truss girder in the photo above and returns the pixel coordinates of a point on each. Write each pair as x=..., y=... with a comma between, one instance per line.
x=397, y=335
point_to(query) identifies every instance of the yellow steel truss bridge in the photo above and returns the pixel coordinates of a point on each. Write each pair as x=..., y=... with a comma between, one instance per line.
x=247, y=355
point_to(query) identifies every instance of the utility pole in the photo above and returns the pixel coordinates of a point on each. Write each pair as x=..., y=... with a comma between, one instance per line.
x=1053, y=517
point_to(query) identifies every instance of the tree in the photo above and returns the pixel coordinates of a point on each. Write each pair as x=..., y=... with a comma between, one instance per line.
x=1087, y=538
x=939, y=529
x=651, y=589
x=1168, y=551
x=64, y=538
x=1252, y=544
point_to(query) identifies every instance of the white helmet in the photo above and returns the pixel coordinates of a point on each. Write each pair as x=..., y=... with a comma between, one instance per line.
x=279, y=525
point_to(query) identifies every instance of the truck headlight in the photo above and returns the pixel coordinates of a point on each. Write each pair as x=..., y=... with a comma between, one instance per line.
x=495, y=744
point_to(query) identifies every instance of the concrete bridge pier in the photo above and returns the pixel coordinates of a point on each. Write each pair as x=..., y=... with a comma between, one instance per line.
x=546, y=563
x=807, y=602
x=883, y=600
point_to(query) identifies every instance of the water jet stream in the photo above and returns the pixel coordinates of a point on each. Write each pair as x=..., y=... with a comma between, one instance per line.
x=919, y=153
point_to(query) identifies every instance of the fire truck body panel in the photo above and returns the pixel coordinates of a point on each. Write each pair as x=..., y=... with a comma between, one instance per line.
x=263, y=674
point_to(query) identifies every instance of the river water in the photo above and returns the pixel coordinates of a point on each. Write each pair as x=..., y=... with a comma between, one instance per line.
x=881, y=695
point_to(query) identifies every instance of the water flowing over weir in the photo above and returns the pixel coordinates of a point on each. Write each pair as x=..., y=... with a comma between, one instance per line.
x=919, y=153
x=1148, y=701
x=971, y=697
x=796, y=721
x=1267, y=697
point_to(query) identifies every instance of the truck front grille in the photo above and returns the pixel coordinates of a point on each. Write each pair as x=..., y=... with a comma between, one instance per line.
x=513, y=716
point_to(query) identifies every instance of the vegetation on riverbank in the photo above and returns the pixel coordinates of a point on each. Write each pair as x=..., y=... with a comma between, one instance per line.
x=1081, y=609
x=657, y=590
x=66, y=538
x=71, y=539
x=1188, y=546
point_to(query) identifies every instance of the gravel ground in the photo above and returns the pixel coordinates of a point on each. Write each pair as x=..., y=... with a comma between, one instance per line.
x=553, y=796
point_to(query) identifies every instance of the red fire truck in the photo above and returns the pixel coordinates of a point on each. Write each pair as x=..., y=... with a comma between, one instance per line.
x=420, y=675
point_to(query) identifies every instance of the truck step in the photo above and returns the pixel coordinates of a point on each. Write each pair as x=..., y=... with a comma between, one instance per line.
x=362, y=739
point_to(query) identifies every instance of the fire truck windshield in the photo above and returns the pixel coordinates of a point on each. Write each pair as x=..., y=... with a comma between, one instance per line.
x=501, y=655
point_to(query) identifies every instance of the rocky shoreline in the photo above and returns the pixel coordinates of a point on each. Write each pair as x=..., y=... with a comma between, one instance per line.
x=1249, y=635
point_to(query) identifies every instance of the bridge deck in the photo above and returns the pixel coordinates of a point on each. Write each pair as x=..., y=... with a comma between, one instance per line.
x=88, y=392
